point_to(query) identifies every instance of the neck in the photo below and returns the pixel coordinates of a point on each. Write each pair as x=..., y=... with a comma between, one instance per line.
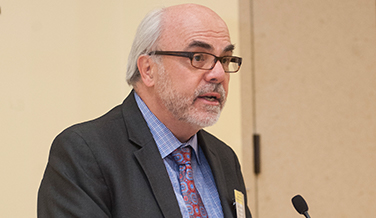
x=183, y=131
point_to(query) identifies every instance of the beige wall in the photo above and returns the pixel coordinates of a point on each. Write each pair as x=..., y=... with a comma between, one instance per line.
x=313, y=101
x=63, y=62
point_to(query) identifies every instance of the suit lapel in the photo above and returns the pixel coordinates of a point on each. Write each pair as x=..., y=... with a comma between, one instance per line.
x=150, y=159
x=151, y=162
x=219, y=176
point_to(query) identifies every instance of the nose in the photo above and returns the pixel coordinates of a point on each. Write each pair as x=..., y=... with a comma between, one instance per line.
x=217, y=74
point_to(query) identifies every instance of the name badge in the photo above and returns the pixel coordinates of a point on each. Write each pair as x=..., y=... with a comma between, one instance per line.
x=239, y=203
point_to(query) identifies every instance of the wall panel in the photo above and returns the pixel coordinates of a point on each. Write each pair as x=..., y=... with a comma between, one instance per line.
x=315, y=91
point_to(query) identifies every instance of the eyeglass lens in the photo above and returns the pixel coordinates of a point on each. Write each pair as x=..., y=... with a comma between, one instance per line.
x=207, y=61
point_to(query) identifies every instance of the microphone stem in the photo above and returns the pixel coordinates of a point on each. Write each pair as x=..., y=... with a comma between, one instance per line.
x=306, y=214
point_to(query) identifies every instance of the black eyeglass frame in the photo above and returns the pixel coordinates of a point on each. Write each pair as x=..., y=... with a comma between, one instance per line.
x=190, y=55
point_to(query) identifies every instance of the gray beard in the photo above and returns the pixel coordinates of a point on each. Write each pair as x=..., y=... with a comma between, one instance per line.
x=182, y=107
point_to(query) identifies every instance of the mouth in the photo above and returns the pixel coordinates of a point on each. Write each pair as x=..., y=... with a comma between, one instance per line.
x=211, y=97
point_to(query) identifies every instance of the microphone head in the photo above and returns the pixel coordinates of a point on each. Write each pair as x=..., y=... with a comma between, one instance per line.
x=299, y=204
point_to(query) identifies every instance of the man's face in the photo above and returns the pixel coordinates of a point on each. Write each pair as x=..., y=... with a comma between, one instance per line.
x=184, y=107
x=193, y=95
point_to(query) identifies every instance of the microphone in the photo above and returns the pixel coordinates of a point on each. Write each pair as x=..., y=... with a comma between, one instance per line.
x=300, y=205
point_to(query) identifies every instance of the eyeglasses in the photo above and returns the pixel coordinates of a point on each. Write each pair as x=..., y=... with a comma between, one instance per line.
x=206, y=61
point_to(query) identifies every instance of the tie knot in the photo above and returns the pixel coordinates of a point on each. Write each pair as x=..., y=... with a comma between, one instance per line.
x=182, y=155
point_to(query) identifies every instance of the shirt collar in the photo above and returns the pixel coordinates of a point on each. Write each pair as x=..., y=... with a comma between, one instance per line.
x=165, y=140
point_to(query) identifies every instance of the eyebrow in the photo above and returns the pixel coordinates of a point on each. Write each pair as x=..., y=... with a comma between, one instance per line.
x=207, y=46
x=200, y=44
x=229, y=48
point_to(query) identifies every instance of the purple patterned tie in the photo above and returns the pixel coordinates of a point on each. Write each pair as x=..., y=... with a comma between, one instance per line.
x=182, y=157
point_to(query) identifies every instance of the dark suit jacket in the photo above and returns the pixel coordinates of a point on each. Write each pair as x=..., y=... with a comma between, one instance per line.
x=111, y=167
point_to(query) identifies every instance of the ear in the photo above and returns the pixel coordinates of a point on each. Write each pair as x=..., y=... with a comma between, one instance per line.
x=145, y=65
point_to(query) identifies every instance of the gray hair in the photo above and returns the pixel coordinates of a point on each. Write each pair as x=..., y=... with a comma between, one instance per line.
x=145, y=39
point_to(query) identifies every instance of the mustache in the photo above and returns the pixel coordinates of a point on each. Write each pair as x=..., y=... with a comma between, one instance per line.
x=212, y=87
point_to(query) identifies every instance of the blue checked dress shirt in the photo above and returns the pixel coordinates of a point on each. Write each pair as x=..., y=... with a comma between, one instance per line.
x=202, y=174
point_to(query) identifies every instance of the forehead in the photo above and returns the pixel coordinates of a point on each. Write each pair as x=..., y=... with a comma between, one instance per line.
x=184, y=27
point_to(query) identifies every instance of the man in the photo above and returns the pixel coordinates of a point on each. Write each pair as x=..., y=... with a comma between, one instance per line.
x=149, y=157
